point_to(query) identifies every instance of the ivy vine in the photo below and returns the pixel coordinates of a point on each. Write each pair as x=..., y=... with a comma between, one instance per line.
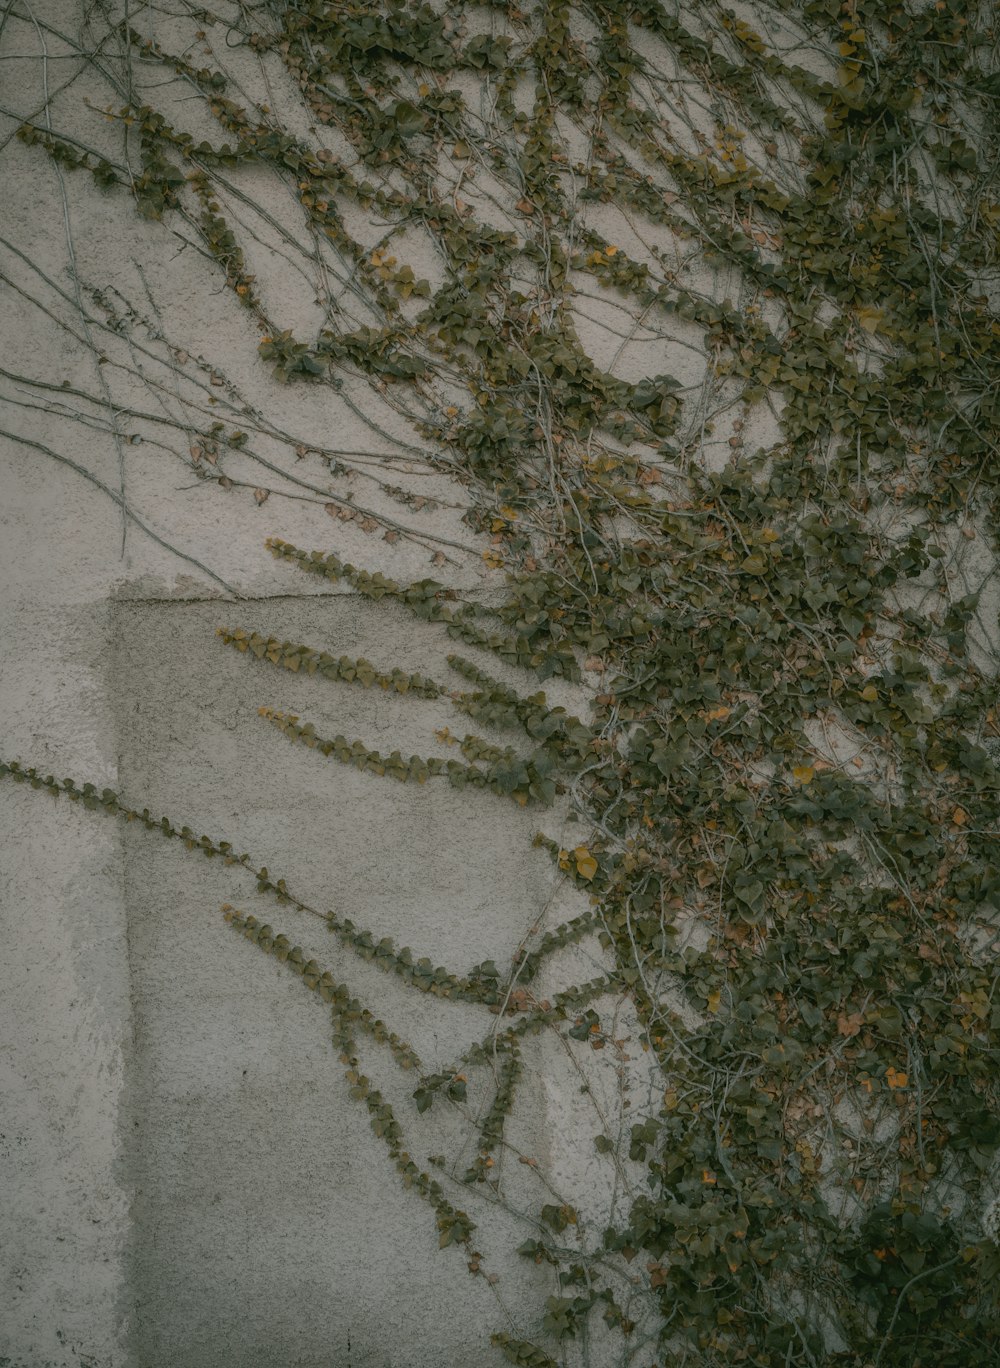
x=788, y=777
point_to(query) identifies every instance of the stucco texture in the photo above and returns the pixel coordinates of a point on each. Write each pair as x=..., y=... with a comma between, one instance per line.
x=186, y=1180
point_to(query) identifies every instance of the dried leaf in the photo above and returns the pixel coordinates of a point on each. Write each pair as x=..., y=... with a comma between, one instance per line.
x=586, y=865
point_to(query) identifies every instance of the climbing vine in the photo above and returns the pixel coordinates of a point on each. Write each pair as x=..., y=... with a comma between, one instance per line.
x=773, y=576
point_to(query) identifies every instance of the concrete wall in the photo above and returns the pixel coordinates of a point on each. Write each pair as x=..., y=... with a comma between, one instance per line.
x=185, y=1179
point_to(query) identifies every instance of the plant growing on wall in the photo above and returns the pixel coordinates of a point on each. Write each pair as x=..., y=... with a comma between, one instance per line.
x=777, y=577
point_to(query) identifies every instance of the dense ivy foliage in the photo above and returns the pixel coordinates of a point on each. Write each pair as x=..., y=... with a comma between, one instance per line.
x=788, y=781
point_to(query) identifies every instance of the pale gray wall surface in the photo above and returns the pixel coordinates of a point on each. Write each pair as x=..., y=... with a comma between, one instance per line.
x=184, y=1179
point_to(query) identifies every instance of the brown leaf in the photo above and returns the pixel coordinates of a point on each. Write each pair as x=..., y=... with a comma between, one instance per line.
x=850, y=1025
x=261, y=495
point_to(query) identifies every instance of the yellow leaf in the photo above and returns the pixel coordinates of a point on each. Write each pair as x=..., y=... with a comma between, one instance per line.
x=896, y=1079
x=610, y=250
x=870, y=319
x=586, y=865
x=769, y=535
x=869, y=693
x=804, y=774
x=714, y=999
x=960, y=816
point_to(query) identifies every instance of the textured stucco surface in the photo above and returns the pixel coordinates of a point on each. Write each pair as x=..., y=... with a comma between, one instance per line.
x=264, y=1221
x=183, y=1178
